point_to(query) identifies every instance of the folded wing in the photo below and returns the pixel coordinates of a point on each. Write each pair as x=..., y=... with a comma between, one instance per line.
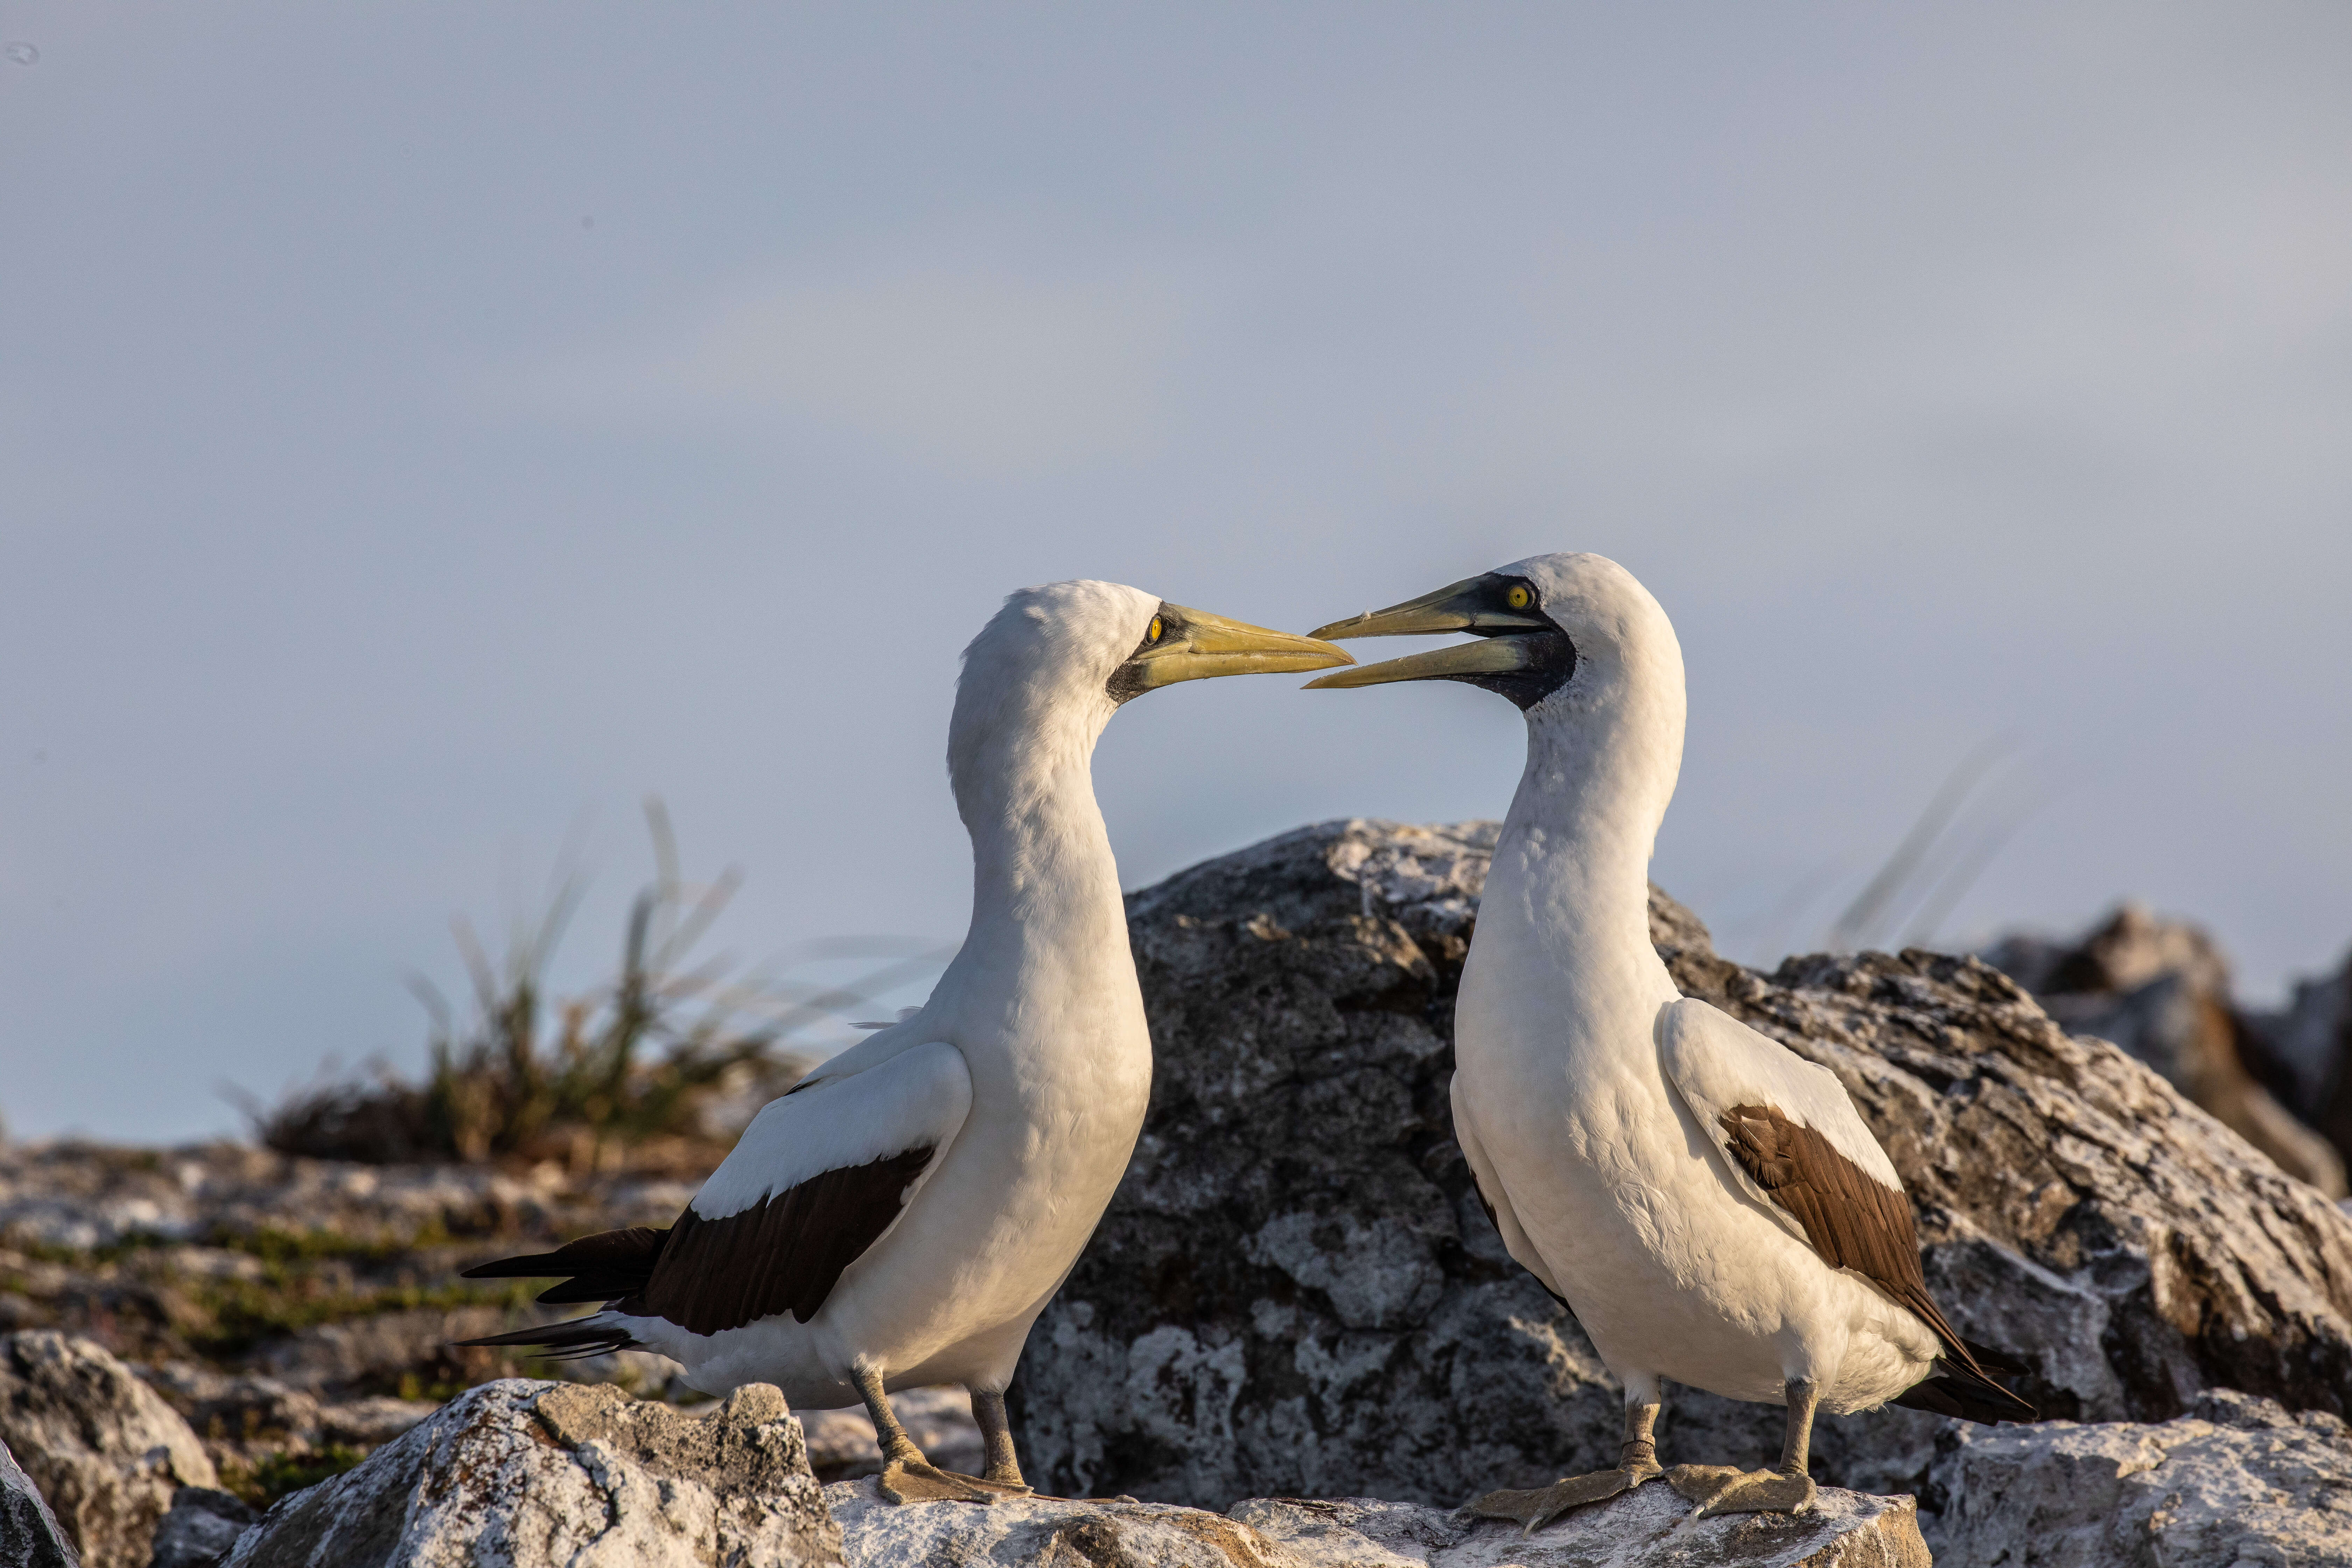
x=818, y=1178
x=1792, y=1138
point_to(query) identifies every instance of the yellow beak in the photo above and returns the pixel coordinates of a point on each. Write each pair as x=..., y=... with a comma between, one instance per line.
x=1463, y=606
x=1198, y=644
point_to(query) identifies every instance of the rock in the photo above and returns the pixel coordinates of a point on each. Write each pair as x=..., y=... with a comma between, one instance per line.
x=76, y=1195
x=1294, y=1291
x=104, y=1449
x=1846, y=1529
x=842, y=1446
x=2161, y=989
x=30, y=1536
x=2309, y=1050
x=2240, y=1480
x=201, y=1529
x=531, y=1474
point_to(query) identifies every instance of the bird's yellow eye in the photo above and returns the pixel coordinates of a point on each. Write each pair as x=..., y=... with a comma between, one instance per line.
x=1519, y=597
x=1153, y=634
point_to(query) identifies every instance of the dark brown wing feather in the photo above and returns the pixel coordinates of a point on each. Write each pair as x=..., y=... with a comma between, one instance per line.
x=783, y=1253
x=1852, y=1220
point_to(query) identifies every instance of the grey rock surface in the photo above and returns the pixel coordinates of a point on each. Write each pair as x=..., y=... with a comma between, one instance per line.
x=2161, y=989
x=1645, y=1530
x=200, y=1529
x=532, y=1475
x=74, y=1195
x=105, y=1450
x=2308, y=1047
x=2239, y=1481
x=30, y=1536
x=1294, y=1291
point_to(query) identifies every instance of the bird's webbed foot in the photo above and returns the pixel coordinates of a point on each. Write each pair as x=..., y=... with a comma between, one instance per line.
x=1726, y=1489
x=1534, y=1510
x=918, y=1480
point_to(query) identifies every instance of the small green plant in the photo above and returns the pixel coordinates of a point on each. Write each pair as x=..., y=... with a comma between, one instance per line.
x=284, y=1472
x=585, y=1079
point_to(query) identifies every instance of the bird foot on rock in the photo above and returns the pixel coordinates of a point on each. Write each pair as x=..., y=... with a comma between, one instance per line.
x=904, y=1482
x=1725, y=1488
x=1534, y=1510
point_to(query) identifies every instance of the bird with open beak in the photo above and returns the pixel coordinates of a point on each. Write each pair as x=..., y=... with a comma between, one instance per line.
x=1709, y=1204
x=902, y=1215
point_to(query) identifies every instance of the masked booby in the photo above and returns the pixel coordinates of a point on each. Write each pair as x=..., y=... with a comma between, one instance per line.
x=1709, y=1204
x=900, y=1216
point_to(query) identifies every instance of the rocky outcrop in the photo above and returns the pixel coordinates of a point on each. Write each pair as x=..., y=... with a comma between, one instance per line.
x=2307, y=1051
x=2161, y=989
x=1294, y=1290
x=106, y=1451
x=200, y=1529
x=2239, y=1481
x=80, y=1195
x=538, y=1474
x=1648, y=1527
x=30, y=1535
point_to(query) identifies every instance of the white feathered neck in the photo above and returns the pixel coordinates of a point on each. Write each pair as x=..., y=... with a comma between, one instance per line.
x=1030, y=706
x=1567, y=897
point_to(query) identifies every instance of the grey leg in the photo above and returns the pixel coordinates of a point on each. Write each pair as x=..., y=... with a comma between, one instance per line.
x=1785, y=1488
x=907, y=1475
x=1637, y=1461
x=996, y=1431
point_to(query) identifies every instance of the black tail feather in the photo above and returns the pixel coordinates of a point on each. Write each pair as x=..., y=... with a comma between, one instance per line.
x=574, y=1340
x=606, y=1267
x=1958, y=1391
x=602, y=1267
x=1995, y=1360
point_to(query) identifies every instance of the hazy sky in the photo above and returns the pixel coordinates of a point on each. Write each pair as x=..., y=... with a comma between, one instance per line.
x=424, y=428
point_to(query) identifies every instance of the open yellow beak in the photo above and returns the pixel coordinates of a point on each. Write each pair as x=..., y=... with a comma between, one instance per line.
x=1464, y=607
x=1200, y=645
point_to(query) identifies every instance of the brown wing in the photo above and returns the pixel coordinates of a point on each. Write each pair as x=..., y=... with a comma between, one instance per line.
x=783, y=1253
x=1852, y=1220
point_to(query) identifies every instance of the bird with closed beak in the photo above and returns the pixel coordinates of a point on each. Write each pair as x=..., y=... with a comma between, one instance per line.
x=1709, y=1204
x=902, y=1217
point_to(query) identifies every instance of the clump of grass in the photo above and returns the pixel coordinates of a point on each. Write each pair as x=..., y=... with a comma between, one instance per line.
x=633, y=1065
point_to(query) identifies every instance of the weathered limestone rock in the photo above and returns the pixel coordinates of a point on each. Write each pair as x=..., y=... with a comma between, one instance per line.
x=1296, y=1293
x=1847, y=1530
x=2240, y=1481
x=200, y=1529
x=534, y=1475
x=2308, y=1049
x=104, y=1449
x=2161, y=989
x=78, y=1196
x=30, y=1535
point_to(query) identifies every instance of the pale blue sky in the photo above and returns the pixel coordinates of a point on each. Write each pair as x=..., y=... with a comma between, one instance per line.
x=424, y=427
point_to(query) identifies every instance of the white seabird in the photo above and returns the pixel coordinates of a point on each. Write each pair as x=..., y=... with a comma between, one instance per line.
x=902, y=1217
x=1709, y=1203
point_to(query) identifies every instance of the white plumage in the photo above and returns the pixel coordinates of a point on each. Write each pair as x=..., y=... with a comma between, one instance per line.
x=1711, y=1206
x=904, y=1214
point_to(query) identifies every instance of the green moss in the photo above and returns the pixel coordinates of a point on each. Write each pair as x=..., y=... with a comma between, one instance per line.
x=242, y=1313
x=282, y=1248
x=283, y=1473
